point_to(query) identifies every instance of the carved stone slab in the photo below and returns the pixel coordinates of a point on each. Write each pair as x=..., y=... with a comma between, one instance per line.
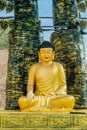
x=42, y=121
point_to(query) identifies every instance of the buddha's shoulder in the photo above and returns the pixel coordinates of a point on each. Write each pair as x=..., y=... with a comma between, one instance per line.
x=34, y=66
x=57, y=64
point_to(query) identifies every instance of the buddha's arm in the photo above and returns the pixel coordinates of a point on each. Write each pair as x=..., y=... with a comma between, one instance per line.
x=31, y=82
x=31, y=78
x=62, y=80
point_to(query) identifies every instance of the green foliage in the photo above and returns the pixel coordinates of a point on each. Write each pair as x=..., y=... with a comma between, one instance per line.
x=11, y=1
x=4, y=24
x=8, y=4
x=11, y=24
x=78, y=1
x=9, y=7
x=82, y=24
x=81, y=7
x=86, y=3
x=4, y=41
x=2, y=4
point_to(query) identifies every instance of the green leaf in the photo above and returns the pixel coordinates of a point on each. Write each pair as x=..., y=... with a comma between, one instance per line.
x=11, y=0
x=81, y=7
x=86, y=2
x=11, y=23
x=9, y=7
x=4, y=25
x=2, y=4
x=82, y=24
x=79, y=1
x=79, y=15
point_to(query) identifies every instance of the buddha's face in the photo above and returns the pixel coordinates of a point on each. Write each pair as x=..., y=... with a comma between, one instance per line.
x=46, y=54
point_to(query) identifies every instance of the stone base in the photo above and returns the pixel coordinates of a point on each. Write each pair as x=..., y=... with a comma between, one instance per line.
x=16, y=120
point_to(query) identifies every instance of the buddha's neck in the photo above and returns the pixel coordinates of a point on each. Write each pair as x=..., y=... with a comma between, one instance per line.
x=46, y=63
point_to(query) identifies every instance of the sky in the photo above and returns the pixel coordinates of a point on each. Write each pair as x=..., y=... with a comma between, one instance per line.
x=45, y=10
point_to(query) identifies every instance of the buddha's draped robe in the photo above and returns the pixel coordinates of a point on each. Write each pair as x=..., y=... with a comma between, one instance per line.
x=56, y=84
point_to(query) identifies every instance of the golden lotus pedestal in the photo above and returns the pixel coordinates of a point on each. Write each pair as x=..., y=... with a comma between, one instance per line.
x=17, y=120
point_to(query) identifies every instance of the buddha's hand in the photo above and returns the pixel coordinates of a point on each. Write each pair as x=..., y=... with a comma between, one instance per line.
x=30, y=96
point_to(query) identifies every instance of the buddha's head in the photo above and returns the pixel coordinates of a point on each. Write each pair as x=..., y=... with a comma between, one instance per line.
x=46, y=51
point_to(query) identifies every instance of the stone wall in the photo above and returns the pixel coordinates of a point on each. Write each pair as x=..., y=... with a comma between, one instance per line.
x=3, y=73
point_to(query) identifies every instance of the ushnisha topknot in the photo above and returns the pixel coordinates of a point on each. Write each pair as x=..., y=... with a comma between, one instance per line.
x=46, y=44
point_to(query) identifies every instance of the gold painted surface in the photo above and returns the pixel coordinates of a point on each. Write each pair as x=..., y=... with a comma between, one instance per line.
x=45, y=129
x=80, y=120
x=16, y=120
x=61, y=120
x=50, y=91
x=36, y=121
x=31, y=129
x=12, y=120
x=73, y=128
x=0, y=121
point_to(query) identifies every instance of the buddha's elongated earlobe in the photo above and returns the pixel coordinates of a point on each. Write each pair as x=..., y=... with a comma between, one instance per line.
x=53, y=58
x=39, y=56
x=53, y=55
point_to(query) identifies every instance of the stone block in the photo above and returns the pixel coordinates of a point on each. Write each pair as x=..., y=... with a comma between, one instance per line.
x=80, y=120
x=12, y=120
x=60, y=120
x=36, y=121
x=16, y=120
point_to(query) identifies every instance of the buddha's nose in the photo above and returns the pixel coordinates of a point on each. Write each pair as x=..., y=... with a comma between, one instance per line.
x=46, y=55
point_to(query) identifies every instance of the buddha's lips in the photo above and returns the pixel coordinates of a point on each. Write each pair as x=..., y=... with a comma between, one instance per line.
x=46, y=57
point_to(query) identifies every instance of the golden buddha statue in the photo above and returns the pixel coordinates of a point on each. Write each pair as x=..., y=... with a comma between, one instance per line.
x=46, y=87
